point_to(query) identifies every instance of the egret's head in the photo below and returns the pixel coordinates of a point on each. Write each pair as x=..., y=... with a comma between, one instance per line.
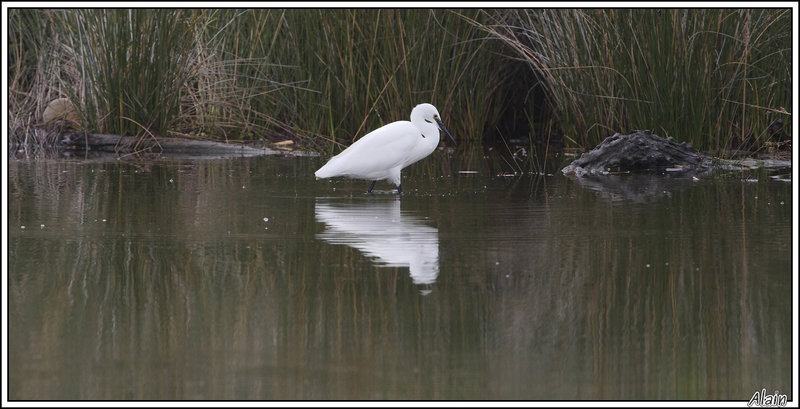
x=430, y=114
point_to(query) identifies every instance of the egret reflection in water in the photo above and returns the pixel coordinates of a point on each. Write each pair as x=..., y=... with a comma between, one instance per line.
x=381, y=231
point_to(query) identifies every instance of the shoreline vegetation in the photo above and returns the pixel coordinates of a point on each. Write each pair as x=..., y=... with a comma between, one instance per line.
x=719, y=79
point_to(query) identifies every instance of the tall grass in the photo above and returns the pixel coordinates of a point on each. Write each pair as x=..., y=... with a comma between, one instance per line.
x=714, y=77
x=345, y=72
x=31, y=76
x=717, y=78
x=131, y=66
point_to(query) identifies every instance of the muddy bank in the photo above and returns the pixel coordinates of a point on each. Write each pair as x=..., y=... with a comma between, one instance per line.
x=642, y=167
x=641, y=152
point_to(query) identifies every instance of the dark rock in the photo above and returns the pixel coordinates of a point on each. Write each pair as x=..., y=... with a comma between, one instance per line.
x=641, y=152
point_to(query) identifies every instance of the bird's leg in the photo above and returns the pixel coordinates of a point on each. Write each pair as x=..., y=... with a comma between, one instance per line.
x=371, y=185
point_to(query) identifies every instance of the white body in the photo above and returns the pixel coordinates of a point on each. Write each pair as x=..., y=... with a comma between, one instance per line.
x=384, y=152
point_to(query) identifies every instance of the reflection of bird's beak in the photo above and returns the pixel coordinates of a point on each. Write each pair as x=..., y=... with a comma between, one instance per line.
x=441, y=126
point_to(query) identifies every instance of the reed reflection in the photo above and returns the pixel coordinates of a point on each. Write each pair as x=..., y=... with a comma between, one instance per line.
x=383, y=232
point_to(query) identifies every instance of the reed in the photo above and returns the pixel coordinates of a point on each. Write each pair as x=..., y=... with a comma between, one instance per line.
x=345, y=72
x=717, y=78
x=30, y=78
x=128, y=68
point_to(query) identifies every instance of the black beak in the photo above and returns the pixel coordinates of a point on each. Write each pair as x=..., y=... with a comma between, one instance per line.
x=441, y=126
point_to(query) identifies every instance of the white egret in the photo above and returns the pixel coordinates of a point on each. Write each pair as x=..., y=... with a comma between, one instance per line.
x=384, y=152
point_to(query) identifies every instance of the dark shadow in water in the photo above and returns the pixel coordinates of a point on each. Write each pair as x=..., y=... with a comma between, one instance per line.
x=639, y=188
x=383, y=232
x=647, y=188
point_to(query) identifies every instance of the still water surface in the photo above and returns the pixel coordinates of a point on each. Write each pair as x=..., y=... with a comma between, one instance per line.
x=245, y=278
